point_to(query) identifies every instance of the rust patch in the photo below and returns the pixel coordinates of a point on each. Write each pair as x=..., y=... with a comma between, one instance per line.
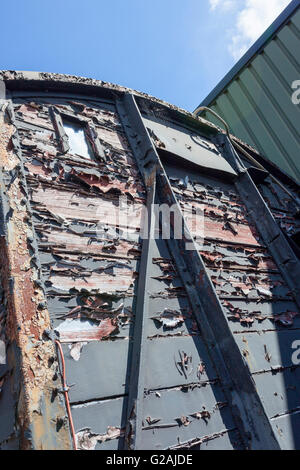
x=121, y=280
x=67, y=205
x=106, y=183
x=26, y=320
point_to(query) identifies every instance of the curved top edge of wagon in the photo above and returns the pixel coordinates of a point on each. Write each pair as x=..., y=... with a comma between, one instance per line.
x=26, y=79
x=31, y=80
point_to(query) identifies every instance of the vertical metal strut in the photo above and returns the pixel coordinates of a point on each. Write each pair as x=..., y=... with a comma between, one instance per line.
x=139, y=349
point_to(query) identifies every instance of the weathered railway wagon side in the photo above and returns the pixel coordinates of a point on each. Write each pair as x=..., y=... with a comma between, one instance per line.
x=170, y=341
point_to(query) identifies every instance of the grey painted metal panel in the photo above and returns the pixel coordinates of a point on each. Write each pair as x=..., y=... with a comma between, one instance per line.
x=87, y=415
x=164, y=354
x=268, y=350
x=101, y=371
x=255, y=99
x=188, y=145
x=113, y=415
x=171, y=407
x=279, y=391
x=228, y=440
x=286, y=428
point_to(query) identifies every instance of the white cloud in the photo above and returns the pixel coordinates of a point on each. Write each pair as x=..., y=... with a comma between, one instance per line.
x=222, y=4
x=251, y=19
x=213, y=4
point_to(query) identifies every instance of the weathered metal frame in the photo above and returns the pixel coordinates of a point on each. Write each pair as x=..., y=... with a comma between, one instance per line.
x=239, y=387
x=88, y=129
x=59, y=128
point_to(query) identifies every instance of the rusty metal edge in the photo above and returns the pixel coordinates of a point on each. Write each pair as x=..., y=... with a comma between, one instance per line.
x=34, y=430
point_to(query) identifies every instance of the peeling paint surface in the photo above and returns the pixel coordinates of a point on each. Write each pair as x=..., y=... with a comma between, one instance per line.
x=89, y=260
x=260, y=307
x=91, y=281
x=80, y=269
x=30, y=367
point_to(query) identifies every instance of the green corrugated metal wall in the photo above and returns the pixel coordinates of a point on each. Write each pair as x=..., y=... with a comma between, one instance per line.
x=257, y=103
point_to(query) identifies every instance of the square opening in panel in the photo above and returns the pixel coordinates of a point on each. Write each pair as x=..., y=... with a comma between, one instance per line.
x=77, y=139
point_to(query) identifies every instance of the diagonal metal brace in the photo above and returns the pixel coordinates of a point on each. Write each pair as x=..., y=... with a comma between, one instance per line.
x=247, y=409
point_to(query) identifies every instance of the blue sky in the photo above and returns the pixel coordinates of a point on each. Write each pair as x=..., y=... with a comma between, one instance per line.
x=173, y=49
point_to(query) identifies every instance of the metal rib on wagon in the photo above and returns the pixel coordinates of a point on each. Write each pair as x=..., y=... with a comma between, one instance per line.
x=168, y=342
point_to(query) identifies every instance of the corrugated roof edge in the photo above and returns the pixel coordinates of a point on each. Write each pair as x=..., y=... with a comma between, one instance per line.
x=28, y=79
x=261, y=42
